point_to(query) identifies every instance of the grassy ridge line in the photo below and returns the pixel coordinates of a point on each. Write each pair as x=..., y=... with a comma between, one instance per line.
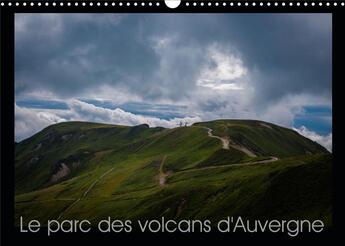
x=263, y=138
x=54, y=150
x=79, y=142
x=135, y=155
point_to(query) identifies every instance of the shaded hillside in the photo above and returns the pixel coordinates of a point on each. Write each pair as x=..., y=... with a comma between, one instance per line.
x=74, y=169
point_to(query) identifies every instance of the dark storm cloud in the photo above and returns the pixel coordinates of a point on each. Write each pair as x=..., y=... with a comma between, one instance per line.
x=293, y=54
x=291, y=51
x=68, y=54
x=79, y=52
x=162, y=69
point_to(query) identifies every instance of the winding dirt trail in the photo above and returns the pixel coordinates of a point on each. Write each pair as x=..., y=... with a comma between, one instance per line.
x=225, y=145
x=272, y=159
x=226, y=142
x=162, y=176
x=68, y=208
x=85, y=193
x=96, y=181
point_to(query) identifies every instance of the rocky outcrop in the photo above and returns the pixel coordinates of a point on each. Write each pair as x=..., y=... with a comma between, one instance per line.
x=62, y=172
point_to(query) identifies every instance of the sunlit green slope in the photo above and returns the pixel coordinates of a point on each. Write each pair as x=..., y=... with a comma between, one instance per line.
x=89, y=170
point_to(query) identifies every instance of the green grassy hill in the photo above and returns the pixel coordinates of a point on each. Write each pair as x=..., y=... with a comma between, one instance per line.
x=88, y=170
x=264, y=138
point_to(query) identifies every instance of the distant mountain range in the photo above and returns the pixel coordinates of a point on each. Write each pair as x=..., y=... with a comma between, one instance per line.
x=209, y=170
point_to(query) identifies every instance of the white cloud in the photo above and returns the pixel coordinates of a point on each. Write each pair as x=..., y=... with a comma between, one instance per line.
x=284, y=111
x=242, y=104
x=325, y=141
x=116, y=94
x=89, y=112
x=223, y=70
x=30, y=121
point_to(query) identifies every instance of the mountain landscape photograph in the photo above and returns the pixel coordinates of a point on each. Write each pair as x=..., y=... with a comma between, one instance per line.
x=181, y=116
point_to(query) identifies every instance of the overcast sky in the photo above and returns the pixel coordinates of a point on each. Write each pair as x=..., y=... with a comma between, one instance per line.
x=161, y=69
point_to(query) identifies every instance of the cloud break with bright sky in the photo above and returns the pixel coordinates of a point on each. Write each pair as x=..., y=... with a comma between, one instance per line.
x=161, y=69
